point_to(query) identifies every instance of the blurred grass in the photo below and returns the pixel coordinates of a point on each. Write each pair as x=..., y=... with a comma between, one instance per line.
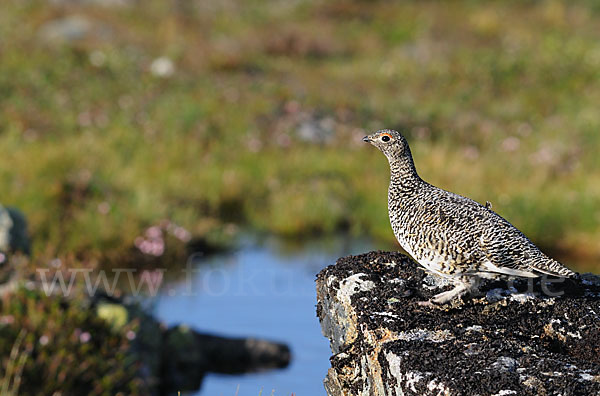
x=56, y=346
x=498, y=99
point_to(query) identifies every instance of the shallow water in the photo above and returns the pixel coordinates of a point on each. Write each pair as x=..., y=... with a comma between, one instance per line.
x=266, y=291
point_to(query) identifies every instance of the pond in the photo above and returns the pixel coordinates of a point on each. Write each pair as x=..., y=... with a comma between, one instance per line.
x=264, y=290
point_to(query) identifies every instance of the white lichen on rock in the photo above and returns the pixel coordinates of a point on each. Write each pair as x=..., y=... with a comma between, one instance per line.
x=352, y=285
x=6, y=224
x=505, y=392
x=425, y=335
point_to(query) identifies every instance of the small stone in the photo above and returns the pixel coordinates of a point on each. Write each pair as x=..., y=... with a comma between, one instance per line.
x=97, y=58
x=162, y=67
x=101, y=3
x=315, y=130
x=66, y=30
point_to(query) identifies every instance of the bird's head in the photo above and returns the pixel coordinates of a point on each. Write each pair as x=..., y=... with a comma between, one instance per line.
x=389, y=142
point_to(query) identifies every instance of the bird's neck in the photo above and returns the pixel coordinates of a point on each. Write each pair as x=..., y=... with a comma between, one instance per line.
x=404, y=175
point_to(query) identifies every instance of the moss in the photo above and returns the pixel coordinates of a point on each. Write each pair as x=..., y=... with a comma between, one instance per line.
x=114, y=314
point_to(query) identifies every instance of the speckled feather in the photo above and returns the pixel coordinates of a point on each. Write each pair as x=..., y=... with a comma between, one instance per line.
x=451, y=235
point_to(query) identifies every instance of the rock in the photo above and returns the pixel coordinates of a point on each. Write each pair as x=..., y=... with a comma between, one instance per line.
x=315, y=130
x=13, y=231
x=536, y=339
x=114, y=314
x=13, y=238
x=6, y=225
x=101, y=3
x=189, y=355
x=71, y=29
x=147, y=341
x=177, y=358
x=162, y=67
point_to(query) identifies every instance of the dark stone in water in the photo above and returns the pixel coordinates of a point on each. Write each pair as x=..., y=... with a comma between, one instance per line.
x=536, y=338
x=177, y=358
x=188, y=355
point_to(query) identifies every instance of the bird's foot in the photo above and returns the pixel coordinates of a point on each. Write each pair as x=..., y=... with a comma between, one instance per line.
x=444, y=307
x=451, y=298
x=447, y=296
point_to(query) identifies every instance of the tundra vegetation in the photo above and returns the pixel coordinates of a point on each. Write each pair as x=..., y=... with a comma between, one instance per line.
x=131, y=129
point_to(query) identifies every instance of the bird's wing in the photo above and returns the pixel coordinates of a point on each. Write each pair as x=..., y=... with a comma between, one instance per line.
x=510, y=252
x=493, y=242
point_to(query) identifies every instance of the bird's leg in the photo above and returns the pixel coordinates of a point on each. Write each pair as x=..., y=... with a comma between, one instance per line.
x=465, y=285
x=447, y=296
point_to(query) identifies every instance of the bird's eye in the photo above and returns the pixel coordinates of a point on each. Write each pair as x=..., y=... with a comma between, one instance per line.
x=385, y=138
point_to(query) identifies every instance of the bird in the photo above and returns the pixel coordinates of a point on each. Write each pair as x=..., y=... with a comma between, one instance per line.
x=451, y=235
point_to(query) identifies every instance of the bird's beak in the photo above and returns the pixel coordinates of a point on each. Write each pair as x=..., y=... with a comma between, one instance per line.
x=366, y=139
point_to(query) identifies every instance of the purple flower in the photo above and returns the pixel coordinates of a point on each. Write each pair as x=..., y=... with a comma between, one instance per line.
x=85, y=337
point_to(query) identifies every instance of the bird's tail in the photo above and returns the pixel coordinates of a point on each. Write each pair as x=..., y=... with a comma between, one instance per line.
x=555, y=268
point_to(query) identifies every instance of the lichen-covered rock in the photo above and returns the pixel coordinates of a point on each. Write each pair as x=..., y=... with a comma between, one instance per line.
x=14, y=239
x=523, y=338
x=13, y=231
x=114, y=314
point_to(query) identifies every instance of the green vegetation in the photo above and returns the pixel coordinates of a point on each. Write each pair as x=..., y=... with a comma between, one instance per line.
x=134, y=121
x=51, y=345
x=499, y=100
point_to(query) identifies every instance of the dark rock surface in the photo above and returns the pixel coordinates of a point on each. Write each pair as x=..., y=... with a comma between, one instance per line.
x=188, y=355
x=519, y=338
x=177, y=358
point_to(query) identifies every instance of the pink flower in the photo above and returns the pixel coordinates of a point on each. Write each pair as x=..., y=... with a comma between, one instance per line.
x=104, y=208
x=153, y=242
x=156, y=248
x=85, y=337
x=511, y=143
x=182, y=234
x=138, y=241
x=154, y=232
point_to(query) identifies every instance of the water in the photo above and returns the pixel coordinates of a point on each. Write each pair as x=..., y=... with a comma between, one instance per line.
x=261, y=291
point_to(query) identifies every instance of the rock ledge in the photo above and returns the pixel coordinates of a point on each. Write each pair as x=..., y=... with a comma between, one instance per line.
x=517, y=342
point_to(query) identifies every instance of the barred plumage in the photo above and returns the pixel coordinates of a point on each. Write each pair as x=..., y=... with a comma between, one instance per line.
x=451, y=235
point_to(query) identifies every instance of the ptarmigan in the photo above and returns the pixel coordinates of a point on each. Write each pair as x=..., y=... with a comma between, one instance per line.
x=451, y=235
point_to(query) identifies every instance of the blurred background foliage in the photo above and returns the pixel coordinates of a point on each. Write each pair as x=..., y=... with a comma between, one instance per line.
x=128, y=126
x=118, y=114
